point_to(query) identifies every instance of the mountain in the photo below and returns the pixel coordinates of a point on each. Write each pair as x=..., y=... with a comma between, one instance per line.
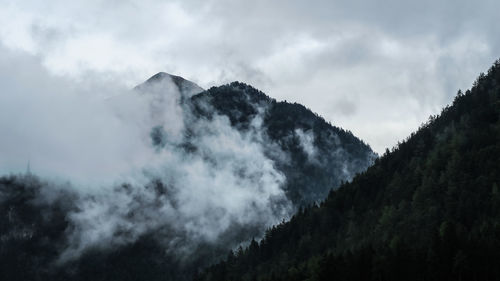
x=313, y=155
x=429, y=209
x=226, y=163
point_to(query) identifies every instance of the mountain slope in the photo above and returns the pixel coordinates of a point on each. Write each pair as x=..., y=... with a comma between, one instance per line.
x=313, y=155
x=427, y=210
x=222, y=166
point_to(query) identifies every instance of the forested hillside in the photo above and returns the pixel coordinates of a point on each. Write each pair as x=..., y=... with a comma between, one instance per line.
x=429, y=209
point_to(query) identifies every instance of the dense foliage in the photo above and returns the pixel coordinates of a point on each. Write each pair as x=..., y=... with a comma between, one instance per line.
x=427, y=210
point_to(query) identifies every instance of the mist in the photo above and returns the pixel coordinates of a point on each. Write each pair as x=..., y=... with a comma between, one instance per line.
x=64, y=129
x=136, y=162
x=165, y=167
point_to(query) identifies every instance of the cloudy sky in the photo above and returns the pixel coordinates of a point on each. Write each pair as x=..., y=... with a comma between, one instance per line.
x=377, y=68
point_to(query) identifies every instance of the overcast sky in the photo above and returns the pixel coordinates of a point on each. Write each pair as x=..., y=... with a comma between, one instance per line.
x=377, y=68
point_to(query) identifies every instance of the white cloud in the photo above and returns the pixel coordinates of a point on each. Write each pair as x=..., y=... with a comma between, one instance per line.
x=306, y=141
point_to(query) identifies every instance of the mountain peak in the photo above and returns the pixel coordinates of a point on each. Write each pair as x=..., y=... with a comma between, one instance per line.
x=164, y=75
x=185, y=87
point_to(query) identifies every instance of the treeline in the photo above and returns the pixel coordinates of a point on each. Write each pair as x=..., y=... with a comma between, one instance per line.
x=429, y=209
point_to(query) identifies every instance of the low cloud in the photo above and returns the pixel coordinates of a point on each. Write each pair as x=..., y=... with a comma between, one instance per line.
x=200, y=182
x=306, y=141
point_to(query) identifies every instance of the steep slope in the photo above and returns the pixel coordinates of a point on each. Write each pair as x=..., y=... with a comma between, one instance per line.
x=313, y=155
x=427, y=210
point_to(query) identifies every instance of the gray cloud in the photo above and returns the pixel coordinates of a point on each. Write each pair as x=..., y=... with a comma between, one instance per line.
x=60, y=127
x=399, y=60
